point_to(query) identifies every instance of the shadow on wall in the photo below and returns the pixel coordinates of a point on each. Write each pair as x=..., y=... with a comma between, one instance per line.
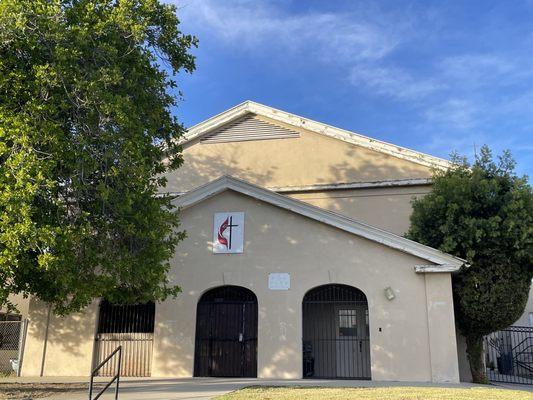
x=59, y=345
x=283, y=329
x=373, y=168
x=280, y=163
x=386, y=208
x=314, y=245
x=71, y=338
x=174, y=357
x=200, y=169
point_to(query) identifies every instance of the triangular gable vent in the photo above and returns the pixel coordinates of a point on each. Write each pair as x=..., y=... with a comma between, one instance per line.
x=248, y=128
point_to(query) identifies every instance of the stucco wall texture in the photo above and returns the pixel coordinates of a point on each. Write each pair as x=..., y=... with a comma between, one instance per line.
x=412, y=337
x=310, y=159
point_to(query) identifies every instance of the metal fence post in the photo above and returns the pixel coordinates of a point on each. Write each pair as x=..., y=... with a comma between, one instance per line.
x=22, y=344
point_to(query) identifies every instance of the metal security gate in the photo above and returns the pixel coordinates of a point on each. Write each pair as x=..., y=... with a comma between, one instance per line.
x=509, y=355
x=129, y=326
x=336, y=337
x=226, y=333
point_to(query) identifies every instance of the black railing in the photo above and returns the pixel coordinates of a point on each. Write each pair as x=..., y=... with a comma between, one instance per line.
x=116, y=377
x=509, y=355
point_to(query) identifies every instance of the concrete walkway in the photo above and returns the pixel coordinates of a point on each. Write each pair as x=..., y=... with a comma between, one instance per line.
x=207, y=388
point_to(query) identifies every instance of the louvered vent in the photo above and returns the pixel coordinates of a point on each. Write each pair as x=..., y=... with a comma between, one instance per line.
x=248, y=128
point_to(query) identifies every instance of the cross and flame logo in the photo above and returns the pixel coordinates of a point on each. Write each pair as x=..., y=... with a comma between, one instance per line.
x=223, y=239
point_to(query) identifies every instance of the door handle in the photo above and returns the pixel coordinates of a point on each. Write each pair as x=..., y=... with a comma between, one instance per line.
x=240, y=337
x=360, y=346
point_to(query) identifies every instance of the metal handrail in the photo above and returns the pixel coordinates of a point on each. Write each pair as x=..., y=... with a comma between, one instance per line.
x=115, y=378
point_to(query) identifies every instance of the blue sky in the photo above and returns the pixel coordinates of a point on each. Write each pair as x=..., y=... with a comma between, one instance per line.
x=434, y=76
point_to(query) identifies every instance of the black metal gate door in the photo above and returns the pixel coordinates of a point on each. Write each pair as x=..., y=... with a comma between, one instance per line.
x=509, y=355
x=226, y=333
x=336, y=337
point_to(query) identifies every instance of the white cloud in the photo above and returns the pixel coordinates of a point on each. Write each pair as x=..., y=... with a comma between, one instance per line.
x=454, y=113
x=393, y=82
x=466, y=64
x=333, y=37
x=356, y=42
x=383, y=54
x=471, y=70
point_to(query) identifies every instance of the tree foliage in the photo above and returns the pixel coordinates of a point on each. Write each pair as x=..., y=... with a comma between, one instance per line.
x=482, y=213
x=86, y=131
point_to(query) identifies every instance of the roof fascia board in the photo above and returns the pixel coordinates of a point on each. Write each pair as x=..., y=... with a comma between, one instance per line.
x=341, y=186
x=328, y=217
x=423, y=269
x=348, y=136
x=352, y=185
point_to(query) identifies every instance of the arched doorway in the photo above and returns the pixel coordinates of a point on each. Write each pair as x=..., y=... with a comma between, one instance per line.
x=226, y=333
x=336, y=336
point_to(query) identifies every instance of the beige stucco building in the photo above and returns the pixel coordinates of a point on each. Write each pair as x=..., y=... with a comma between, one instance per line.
x=294, y=265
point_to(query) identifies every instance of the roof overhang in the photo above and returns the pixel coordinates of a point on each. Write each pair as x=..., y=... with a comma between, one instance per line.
x=250, y=107
x=443, y=262
x=341, y=186
x=352, y=185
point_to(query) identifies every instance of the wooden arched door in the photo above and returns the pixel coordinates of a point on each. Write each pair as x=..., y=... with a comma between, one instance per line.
x=226, y=333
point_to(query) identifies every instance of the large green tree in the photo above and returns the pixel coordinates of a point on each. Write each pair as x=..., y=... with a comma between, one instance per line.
x=482, y=213
x=86, y=131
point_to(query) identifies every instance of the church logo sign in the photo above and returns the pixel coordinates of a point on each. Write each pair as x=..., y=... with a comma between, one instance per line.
x=228, y=233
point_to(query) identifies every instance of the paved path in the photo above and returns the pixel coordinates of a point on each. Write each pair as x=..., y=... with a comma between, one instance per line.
x=206, y=388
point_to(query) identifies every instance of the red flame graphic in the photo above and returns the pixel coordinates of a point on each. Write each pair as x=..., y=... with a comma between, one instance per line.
x=223, y=227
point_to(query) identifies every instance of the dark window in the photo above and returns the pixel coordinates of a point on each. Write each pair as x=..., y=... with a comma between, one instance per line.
x=10, y=317
x=347, y=322
x=136, y=318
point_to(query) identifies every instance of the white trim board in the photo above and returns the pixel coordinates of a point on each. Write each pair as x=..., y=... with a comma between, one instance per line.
x=250, y=107
x=351, y=185
x=344, y=223
x=340, y=186
x=421, y=269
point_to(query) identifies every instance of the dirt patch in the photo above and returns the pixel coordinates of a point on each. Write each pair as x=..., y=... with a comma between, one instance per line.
x=30, y=391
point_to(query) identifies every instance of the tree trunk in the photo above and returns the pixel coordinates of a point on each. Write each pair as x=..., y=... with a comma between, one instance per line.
x=474, y=349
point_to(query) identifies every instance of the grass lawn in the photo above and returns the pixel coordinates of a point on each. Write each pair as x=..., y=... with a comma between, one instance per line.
x=392, y=393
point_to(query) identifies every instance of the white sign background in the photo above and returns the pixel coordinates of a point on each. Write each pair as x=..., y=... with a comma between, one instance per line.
x=279, y=281
x=228, y=233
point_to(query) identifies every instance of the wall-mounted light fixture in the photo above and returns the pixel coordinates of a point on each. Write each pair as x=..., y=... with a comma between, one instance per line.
x=389, y=293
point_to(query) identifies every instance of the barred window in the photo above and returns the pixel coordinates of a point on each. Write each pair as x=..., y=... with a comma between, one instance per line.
x=137, y=318
x=347, y=322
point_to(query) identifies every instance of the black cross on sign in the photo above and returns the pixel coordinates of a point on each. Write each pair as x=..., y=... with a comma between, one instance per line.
x=230, y=226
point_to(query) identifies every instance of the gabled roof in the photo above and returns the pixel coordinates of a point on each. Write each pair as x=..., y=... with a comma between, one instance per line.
x=445, y=262
x=250, y=107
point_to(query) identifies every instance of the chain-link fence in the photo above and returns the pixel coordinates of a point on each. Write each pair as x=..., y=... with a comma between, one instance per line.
x=12, y=335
